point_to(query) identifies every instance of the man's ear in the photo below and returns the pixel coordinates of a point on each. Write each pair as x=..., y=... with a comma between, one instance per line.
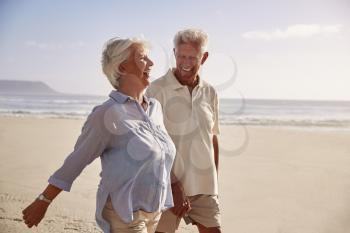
x=174, y=50
x=204, y=57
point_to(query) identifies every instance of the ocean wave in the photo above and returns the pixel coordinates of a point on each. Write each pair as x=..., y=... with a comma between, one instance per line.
x=44, y=114
x=278, y=121
x=224, y=120
x=251, y=112
x=65, y=100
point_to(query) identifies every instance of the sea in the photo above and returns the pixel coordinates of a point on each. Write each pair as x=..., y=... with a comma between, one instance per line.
x=289, y=113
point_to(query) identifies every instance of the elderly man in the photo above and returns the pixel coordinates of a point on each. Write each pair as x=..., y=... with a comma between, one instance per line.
x=190, y=109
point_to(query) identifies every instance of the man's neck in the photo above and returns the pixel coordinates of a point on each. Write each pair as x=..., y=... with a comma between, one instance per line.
x=194, y=84
x=191, y=84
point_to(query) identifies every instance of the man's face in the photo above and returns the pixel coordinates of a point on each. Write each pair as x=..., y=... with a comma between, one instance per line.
x=188, y=61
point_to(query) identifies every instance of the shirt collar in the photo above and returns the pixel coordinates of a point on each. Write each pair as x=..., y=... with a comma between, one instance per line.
x=176, y=84
x=122, y=98
x=147, y=100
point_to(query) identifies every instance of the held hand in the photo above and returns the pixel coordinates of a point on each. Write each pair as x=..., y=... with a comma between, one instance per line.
x=34, y=213
x=181, y=208
x=181, y=203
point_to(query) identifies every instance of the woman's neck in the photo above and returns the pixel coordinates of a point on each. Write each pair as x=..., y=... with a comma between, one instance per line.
x=136, y=93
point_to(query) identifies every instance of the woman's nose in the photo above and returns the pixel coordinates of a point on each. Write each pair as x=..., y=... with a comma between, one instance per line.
x=150, y=62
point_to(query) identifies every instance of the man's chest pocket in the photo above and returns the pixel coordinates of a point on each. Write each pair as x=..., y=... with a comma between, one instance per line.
x=205, y=115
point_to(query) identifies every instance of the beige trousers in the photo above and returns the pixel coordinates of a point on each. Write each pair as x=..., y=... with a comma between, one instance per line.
x=143, y=222
x=205, y=210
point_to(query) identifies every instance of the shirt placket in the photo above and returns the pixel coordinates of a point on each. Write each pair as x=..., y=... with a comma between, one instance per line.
x=192, y=98
x=153, y=129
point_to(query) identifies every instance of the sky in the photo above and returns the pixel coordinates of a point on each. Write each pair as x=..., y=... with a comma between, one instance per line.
x=263, y=49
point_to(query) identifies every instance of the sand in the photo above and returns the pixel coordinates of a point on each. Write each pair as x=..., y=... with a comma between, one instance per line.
x=271, y=179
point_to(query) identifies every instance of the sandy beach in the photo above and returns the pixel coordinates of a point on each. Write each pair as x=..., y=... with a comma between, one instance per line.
x=272, y=179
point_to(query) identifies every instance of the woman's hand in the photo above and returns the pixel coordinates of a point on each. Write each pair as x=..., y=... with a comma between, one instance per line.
x=34, y=213
x=181, y=203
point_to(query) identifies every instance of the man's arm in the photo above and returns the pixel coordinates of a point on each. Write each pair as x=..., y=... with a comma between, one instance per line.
x=216, y=152
x=216, y=131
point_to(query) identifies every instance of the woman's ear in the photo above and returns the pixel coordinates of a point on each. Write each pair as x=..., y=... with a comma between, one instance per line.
x=122, y=67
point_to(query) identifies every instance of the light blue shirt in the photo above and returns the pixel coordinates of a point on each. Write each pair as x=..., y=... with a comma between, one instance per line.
x=136, y=155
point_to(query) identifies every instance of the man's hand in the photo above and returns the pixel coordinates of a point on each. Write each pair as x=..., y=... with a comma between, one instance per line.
x=182, y=204
x=34, y=213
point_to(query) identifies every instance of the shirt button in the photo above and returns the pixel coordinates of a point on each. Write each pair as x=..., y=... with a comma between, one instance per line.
x=163, y=184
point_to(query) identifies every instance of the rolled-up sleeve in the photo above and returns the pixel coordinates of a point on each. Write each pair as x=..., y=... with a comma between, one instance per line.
x=90, y=145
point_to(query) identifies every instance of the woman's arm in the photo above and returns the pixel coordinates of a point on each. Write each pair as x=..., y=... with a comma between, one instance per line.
x=35, y=212
x=90, y=145
x=181, y=203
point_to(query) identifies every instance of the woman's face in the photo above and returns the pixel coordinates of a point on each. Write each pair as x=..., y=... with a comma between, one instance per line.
x=138, y=65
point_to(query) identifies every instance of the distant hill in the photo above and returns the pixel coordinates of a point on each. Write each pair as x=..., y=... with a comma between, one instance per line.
x=25, y=88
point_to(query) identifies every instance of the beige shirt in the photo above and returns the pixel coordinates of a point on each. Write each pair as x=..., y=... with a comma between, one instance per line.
x=191, y=121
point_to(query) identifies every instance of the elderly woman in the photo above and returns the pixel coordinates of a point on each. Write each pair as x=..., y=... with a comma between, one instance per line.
x=128, y=135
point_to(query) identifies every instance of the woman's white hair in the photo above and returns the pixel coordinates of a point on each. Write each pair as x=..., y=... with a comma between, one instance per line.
x=115, y=52
x=192, y=35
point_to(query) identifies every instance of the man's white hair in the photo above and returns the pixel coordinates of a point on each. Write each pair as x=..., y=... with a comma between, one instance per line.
x=115, y=52
x=192, y=35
